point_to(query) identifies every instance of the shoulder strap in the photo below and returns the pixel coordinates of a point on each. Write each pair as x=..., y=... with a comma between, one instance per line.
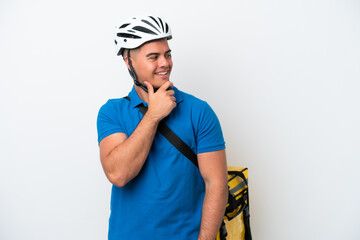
x=172, y=138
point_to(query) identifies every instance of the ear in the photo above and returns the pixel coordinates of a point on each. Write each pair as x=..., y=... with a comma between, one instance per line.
x=126, y=60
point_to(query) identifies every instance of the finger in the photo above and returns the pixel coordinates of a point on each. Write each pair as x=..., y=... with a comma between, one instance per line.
x=149, y=87
x=166, y=85
x=171, y=92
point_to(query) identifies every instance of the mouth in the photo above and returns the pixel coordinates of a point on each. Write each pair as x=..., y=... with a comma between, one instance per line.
x=162, y=73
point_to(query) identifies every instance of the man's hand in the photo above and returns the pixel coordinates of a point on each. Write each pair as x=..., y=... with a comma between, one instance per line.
x=160, y=103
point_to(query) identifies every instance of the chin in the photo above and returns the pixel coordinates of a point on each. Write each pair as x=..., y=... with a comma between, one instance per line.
x=159, y=83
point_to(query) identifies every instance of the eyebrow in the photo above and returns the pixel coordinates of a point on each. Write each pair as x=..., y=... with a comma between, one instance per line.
x=149, y=54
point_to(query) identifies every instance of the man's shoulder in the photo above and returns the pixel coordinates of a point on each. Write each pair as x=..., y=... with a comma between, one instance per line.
x=199, y=108
x=191, y=99
x=114, y=104
x=116, y=101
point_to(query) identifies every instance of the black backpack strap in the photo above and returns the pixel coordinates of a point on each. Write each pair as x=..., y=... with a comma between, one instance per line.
x=246, y=219
x=223, y=231
x=179, y=144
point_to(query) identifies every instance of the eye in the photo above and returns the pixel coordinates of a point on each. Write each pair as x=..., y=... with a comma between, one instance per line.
x=153, y=57
x=168, y=55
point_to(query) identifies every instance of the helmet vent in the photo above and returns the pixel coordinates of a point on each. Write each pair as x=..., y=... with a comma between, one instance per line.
x=162, y=25
x=167, y=28
x=127, y=35
x=143, y=29
x=148, y=23
x=124, y=25
x=154, y=20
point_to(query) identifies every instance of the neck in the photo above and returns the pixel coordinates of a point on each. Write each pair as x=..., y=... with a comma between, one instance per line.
x=142, y=94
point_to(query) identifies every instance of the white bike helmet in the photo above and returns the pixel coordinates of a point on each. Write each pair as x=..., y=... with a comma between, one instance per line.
x=139, y=30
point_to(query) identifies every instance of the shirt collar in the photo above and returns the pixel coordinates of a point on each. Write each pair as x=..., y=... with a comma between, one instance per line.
x=135, y=100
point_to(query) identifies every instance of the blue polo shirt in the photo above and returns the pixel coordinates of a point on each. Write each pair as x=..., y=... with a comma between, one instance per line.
x=164, y=201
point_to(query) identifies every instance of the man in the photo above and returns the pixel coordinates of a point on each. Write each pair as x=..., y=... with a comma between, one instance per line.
x=157, y=192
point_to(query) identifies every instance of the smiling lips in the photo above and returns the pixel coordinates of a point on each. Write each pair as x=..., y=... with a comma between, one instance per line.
x=161, y=73
x=164, y=74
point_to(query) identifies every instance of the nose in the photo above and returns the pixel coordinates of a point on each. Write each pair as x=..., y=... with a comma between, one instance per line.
x=164, y=62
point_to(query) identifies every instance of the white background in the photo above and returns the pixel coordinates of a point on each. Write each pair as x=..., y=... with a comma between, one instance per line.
x=282, y=76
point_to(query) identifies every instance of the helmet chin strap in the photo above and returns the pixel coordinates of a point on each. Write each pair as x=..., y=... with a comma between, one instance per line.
x=133, y=75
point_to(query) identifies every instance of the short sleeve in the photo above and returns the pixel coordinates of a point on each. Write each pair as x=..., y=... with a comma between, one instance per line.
x=107, y=121
x=209, y=135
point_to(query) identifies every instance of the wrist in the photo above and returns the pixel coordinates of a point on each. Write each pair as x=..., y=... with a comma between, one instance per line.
x=153, y=118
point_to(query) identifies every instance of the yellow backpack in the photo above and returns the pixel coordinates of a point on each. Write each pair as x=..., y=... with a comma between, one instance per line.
x=236, y=223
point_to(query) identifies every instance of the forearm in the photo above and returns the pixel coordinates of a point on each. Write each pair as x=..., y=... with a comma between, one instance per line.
x=213, y=210
x=125, y=161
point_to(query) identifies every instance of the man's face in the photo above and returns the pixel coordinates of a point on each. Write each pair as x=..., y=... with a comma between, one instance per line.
x=152, y=62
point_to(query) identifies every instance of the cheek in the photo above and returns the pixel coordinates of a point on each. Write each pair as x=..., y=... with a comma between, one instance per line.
x=145, y=68
x=150, y=68
x=170, y=63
